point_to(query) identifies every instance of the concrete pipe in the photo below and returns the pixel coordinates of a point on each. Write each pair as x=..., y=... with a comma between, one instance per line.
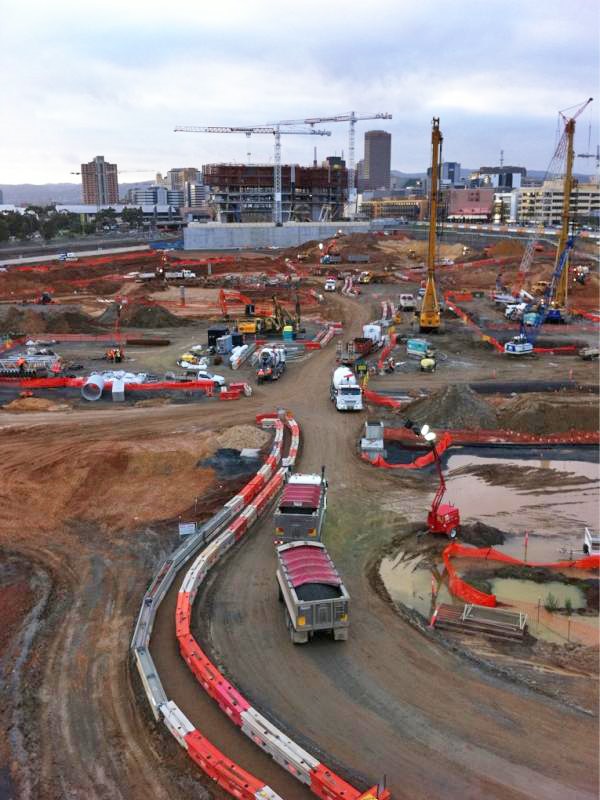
x=92, y=388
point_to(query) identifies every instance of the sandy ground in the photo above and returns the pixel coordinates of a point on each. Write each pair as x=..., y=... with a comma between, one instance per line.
x=86, y=492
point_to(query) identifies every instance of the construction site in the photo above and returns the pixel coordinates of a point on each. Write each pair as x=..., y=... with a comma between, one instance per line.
x=320, y=520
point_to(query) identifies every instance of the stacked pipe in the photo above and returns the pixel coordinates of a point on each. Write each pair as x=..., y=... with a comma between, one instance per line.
x=284, y=751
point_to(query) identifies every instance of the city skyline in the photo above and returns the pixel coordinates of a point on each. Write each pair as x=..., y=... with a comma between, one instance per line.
x=105, y=79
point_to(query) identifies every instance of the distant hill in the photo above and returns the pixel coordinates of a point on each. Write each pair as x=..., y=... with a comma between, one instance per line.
x=48, y=193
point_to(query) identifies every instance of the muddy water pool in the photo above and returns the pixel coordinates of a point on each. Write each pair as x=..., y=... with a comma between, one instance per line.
x=551, y=494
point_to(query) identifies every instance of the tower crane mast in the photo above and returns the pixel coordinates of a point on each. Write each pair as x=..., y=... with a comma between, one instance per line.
x=273, y=130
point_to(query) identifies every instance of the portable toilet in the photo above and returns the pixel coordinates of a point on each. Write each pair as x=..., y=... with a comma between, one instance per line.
x=288, y=333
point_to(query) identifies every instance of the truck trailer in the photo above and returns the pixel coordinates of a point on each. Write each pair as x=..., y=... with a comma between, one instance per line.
x=311, y=589
x=345, y=391
x=301, y=509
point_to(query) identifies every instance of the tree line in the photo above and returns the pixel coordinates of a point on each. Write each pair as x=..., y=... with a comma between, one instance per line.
x=50, y=223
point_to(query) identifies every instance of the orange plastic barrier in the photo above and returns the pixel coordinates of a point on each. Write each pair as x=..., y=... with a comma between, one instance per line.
x=587, y=314
x=470, y=594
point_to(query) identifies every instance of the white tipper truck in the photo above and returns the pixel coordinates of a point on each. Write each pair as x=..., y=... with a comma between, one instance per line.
x=345, y=391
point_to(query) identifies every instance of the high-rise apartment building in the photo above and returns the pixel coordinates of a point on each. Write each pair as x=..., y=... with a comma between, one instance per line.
x=100, y=182
x=377, y=161
x=178, y=176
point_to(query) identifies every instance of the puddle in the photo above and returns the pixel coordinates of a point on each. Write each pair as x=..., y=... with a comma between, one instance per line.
x=410, y=583
x=516, y=591
x=553, y=499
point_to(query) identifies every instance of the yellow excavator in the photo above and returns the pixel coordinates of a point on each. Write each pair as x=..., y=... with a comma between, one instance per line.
x=429, y=316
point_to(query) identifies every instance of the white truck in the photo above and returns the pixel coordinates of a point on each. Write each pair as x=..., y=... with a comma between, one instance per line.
x=330, y=285
x=345, y=391
x=179, y=275
x=407, y=302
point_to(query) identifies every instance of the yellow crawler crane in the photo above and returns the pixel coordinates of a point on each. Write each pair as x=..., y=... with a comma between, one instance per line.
x=566, y=144
x=429, y=317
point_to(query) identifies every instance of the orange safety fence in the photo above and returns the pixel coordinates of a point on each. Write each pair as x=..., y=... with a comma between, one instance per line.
x=386, y=351
x=443, y=443
x=380, y=399
x=470, y=594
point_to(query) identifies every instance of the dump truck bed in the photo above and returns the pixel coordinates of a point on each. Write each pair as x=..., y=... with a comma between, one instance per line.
x=312, y=590
x=301, y=509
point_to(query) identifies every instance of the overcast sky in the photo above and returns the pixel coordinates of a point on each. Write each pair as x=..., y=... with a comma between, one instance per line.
x=113, y=78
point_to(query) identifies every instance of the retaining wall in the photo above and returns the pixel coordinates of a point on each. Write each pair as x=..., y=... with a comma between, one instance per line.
x=233, y=236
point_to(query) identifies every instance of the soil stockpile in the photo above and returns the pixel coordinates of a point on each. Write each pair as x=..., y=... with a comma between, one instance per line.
x=142, y=316
x=456, y=407
x=242, y=436
x=47, y=320
x=535, y=414
x=24, y=404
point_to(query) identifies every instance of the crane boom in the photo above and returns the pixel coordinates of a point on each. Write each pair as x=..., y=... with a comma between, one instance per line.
x=429, y=318
x=352, y=117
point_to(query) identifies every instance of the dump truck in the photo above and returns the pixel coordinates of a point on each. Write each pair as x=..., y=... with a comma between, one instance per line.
x=345, y=391
x=358, y=258
x=301, y=509
x=312, y=592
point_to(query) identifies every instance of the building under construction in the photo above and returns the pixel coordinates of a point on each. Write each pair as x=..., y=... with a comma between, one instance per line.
x=244, y=192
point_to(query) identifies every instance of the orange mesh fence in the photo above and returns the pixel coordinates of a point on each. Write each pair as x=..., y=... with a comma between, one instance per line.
x=470, y=594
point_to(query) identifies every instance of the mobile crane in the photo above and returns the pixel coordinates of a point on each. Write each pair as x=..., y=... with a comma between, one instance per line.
x=429, y=316
x=524, y=342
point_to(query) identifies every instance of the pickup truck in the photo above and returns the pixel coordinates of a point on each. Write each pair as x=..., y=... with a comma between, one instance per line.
x=311, y=589
x=301, y=509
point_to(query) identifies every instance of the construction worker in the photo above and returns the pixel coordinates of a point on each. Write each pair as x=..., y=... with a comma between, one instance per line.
x=21, y=365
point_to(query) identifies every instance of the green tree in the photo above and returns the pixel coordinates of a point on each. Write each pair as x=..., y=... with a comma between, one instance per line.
x=49, y=228
x=134, y=216
x=4, y=230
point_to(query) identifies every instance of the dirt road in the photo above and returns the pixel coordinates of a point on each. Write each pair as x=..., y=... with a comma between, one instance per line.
x=389, y=701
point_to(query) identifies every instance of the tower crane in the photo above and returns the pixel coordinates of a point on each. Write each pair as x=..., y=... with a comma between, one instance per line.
x=352, y=118
x=273, y=130
x=429, y=317
x=559, y=298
